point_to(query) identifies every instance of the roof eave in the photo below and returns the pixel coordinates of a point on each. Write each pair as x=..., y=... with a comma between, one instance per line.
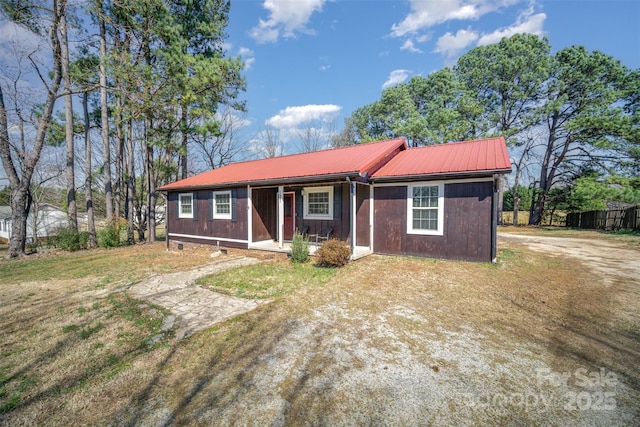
x=281, y=181
x=444, y=175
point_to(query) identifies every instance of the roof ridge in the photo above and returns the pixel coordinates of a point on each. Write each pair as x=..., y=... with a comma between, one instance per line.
x=317, y=151
x=470, y=141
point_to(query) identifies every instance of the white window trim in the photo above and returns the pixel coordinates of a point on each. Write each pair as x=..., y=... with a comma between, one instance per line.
x=307, y=191
x=213, y=200
x=410, y=229
x=180, y=213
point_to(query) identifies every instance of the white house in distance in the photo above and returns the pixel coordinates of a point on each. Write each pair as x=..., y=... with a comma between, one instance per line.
x=40, y=225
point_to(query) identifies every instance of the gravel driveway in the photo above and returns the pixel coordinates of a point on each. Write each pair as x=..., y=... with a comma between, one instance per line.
x=611, y=259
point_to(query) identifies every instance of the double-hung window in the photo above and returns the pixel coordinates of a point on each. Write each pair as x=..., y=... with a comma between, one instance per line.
x=221, y=204
x=425, y=207
x=185, y=205
x=318, y=203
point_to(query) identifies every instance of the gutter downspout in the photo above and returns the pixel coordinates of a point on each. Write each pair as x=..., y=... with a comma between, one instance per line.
x=494, y=218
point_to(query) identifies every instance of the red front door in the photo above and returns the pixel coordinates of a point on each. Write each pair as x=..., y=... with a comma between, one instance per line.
x=289, y=216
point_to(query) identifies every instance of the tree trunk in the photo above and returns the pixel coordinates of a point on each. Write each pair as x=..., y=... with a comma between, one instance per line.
x=538, y=209
x=72, y=213
x=118, y=164
x=20, y=213
x=500, y=198
x=19, y=184
x=88, y=180
x=183, y=153
x=104, y=116
x=151, y=190
x=131, y=188
x=516, y=195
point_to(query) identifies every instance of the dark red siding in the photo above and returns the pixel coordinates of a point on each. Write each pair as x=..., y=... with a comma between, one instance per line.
x=340, y=221
x=203, y=225
x=467, y=223
x=362, y=215
x=264, y=214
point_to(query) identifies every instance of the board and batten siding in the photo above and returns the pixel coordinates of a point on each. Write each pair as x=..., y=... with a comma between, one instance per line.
x=362, y=215
x=203, y=225
x=340, y=220
x=466, y=229
x=264, y=214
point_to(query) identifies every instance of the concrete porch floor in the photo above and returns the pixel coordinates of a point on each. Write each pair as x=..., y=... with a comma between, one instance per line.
x=272, y=246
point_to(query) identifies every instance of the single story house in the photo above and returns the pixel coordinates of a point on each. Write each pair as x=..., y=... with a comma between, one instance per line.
x=383, y=197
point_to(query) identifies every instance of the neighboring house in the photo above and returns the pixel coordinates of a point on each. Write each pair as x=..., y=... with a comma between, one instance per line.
x=438, y=201
x=42, y=222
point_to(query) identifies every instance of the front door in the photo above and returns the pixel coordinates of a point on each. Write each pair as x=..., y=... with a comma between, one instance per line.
x=289, y=215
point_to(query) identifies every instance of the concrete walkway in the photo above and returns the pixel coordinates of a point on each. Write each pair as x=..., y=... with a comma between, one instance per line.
x=193, y=307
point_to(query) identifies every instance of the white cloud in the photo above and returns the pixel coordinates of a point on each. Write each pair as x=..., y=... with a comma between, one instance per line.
x=247, y=56
x=527, y=23
x=425, y=14
x=395, y=77
x=408, y=45
x=450, y=45
x=291, y=117
x=286, y=18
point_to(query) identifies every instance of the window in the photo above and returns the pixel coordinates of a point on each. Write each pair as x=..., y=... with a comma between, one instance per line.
x=318, y=203
x=425, y=203
x=185, y=205
x=222, y=205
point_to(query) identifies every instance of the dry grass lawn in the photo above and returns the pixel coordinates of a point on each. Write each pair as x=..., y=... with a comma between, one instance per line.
x=535, y=339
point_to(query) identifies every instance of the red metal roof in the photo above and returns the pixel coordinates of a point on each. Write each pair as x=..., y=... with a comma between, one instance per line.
x=358, y=159
x=467, y=157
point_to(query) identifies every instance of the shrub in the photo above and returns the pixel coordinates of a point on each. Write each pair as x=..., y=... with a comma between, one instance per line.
x=109, y=237
x=333, y=253
x=299, y=248
x=71, y=239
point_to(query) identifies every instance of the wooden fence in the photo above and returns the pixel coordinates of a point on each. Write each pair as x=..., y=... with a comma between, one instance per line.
x=612, y=219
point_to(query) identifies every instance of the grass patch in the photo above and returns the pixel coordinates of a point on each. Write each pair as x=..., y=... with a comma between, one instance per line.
x=395, y=327
x=108, y=267
x=70, y=328
x=11, y=403
x=506, y=254
x=267, y=280
x=90, y=330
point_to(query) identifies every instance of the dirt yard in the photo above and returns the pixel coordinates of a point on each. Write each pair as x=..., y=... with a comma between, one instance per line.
x=549, y=335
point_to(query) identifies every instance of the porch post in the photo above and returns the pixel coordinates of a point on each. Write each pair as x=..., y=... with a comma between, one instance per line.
x=249, y=217
x=280, y=216
x=352, y=206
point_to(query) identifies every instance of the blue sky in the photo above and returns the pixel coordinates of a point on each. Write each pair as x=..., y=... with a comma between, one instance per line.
x=312, y=62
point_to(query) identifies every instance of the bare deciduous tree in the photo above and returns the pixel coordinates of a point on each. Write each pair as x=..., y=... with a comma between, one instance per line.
x=227, y=143
x=270, y=142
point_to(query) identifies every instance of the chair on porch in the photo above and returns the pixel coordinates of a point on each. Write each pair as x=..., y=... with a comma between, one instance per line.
x=323, y=235
x=304, y=231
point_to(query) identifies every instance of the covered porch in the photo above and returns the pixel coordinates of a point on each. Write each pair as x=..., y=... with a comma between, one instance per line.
x=320, y=210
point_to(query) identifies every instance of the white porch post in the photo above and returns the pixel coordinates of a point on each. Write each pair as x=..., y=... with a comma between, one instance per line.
x=353, y=203
x=280, y=217
x=249, y=216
